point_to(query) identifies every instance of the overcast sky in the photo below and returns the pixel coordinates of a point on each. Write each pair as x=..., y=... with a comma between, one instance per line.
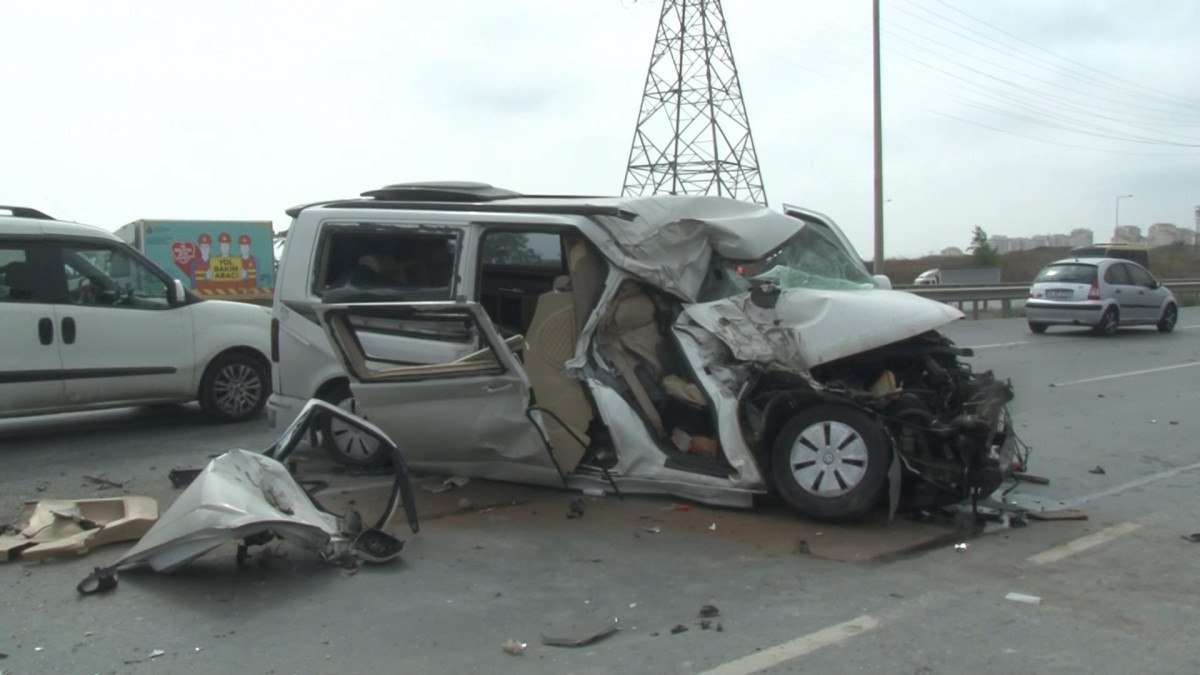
x=115, y=111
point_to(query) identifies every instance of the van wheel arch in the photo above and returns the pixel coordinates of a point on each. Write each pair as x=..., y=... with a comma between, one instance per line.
x=247, y=356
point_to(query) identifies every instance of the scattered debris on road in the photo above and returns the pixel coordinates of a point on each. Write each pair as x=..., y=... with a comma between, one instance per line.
x=709, y=611
x=1059, y=514
x=103, y=482
x=1022, y=597
x=511, y=646
x=575, y=509
x=181, y=478
x=253, y=499
x=1032, y=478
x=652, y=530
x=1194, y=537
x=72, y=527
x=1099, y=470
x=962, y=548
x=451, y=483
x=678, y=628
x=584, y=637
x=803, y=548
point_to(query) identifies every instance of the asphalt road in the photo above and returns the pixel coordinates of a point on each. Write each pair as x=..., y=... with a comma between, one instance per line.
x=1116, y=591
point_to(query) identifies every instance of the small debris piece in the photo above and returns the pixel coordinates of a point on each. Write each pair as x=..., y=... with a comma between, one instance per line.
x=705, y=624
x=593, y=492
x=182, y=477
x=1099, y=470
x=464, y=504
x=803, y=548
x=1031, y=478
x=1022, y=597
x=1194, y=537
x=682, y=507
x=720, y=628
x=709, y=611
x=446, y=485
x=961, y=547
x=713, y=527
x=679, y=628
x=156, y=653
x=576, y=509
x=511, y=646
x=42, y=487
x=3, y=655
x=585, y=637
x=1175, y=422
x=103, y=482
x=652, y=530
x=1060, y=514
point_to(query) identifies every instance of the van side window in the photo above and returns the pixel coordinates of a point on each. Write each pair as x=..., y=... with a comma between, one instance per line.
x=395, y=265
x=102, y=276
x=17, y=280
x=517, y=268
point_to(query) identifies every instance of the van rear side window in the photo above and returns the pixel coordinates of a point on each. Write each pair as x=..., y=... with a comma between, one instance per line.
x=363, y=264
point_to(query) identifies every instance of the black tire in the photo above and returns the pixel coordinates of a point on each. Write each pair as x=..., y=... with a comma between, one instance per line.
x=1166, y=323
x=1109, y=322
x=840, y=440
x=1036, y=327
x=344, y=444
x=235, y=387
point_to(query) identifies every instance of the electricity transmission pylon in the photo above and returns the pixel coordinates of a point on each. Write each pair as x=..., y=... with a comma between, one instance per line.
x=693, y=135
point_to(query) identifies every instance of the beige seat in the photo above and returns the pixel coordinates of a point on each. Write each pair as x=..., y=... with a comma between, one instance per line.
x=631, y=337
x=550, y=343
x=71, y=527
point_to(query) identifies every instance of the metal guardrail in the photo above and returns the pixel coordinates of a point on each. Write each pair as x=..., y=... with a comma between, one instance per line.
x=981, y=296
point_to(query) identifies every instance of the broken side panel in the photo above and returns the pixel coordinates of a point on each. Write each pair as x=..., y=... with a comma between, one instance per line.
x=463, y=417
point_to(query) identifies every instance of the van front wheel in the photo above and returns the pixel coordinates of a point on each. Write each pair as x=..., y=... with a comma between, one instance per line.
x=345, y=443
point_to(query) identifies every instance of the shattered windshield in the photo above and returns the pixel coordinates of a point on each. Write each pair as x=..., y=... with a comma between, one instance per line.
x=811, y=259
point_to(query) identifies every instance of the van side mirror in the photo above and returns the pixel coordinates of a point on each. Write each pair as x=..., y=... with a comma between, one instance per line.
x=177, y=294
x=882, y=281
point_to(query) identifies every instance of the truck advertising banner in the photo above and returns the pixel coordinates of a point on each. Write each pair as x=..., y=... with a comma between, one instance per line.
x=214, y=258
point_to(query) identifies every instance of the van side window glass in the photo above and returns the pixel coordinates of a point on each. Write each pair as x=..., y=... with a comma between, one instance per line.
x=1117, y=274
x=17, y=280
x=106, y=277
x=396, y=265
x=516, y=269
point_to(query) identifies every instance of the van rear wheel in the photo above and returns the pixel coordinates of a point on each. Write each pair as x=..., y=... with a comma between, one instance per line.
x=345, y=443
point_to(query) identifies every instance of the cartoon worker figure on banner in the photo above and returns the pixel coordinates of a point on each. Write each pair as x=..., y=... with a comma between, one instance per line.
x=201, y=263
x=249, y=263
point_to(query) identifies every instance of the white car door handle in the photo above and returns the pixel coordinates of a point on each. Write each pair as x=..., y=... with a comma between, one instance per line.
x=493, y=388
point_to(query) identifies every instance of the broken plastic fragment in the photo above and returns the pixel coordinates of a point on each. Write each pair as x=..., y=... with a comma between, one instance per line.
x=585, y=636
x=709, y=611
x=1194, y=537
x=961, y=547
x=156, y=653
x=511, y=646
x=1022, y=597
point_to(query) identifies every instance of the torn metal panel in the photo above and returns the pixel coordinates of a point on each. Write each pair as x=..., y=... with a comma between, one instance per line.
x=252, y=498
x=71, y=527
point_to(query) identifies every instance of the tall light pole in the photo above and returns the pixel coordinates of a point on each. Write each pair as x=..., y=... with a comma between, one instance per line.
x=878, y=266
x=1117, y=217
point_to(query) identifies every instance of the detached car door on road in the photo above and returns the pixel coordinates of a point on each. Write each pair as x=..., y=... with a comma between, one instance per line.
x=121, y=338
x=467, y=416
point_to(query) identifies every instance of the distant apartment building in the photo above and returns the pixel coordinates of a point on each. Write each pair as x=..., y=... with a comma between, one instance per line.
x=1129, y=234
x=1077, y=237
x=1165, y=234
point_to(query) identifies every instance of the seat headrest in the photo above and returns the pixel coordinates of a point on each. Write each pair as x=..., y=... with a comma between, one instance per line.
x=633, y=312
x=562, y=284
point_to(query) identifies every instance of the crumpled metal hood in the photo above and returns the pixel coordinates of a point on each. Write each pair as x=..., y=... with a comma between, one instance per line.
x=808, y=327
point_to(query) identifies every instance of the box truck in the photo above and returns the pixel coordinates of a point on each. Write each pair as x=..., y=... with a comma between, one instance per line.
x=225, y=259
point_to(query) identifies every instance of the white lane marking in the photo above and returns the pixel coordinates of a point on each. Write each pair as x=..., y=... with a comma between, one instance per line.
x=1083, y=543
x=1187, y=327
x=361, y=487
x=787, y=651
x=999, y=344
x=1137, y=482
x=1129, y=374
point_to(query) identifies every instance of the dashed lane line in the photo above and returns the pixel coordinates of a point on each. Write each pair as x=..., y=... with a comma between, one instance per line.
x=805, y=644
x=1083, y=543
x=999, y=344
x=1131, y=373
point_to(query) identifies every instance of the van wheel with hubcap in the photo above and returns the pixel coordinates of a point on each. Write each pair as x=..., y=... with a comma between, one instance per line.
x=1109, y=321
x=235, y=387
x=830, y=462
x=347, y=444
x=1167, y=323
x=1036, y=327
